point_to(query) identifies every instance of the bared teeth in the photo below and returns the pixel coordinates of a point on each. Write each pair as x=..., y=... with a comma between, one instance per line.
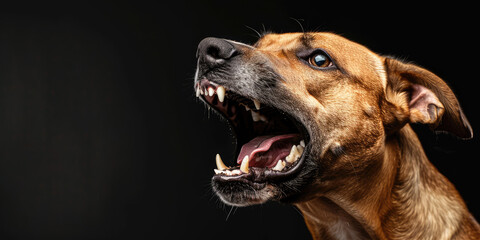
x=295, y=153
x=220, y=165
x=221, y=93
x=211, y=91
x=197, y=92
x=245, y=106
x=255, y=116
x=300, y=149
x=256, y=103
x=244, y=166
x=279, y=166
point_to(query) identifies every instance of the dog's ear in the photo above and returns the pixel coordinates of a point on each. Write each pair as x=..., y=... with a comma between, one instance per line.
x=416, y=95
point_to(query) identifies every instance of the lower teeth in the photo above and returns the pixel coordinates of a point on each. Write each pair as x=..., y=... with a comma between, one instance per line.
x=279, y=166
x=295, y=153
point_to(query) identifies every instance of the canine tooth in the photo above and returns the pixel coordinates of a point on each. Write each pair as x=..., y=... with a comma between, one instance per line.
x=211, y=91
x=293, y=156
x=221, y=93
x=257, y=104
x=244, y=166
x=246, y=108
x=220, y=165
x=302, y=143
x=279, y=166
x=255, y=116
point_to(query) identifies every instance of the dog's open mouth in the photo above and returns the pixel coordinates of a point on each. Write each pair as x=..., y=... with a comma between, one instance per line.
x=270, y=143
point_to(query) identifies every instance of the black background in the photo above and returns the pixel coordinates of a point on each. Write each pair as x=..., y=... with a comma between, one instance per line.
x=101, y=136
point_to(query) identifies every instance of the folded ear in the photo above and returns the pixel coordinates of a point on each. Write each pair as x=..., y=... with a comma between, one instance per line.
x=425, y=98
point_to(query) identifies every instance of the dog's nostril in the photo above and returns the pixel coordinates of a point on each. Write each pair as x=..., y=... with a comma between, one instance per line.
x=215, y=51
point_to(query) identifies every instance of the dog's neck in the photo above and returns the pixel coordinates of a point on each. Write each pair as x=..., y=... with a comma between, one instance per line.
x=401, y=193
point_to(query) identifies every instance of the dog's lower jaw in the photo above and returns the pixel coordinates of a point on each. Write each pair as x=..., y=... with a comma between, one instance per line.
x=250, y=197
x=410, y=209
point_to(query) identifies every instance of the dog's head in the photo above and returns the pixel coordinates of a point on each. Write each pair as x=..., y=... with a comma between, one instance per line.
x=310, y=110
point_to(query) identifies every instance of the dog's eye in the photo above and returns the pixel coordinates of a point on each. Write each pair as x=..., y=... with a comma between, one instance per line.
x=316, y=58
x=320, y=60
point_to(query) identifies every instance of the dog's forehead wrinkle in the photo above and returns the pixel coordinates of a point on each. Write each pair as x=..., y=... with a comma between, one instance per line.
x=277, y=42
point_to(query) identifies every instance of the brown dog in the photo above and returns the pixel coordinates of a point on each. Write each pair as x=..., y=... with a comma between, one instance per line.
x=323, y=123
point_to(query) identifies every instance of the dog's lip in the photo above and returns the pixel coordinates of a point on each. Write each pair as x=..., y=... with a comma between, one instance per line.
x=204, y=89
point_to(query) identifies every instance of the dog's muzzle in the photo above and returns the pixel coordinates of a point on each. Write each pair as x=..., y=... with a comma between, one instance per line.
x=236, y=82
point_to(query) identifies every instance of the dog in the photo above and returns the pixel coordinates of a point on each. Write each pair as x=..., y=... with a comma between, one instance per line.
x=324, y=123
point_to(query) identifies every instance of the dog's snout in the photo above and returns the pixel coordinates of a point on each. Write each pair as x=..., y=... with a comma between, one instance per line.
x=215, y=51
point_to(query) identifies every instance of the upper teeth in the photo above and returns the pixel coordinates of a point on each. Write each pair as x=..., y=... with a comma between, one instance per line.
x=220, y=91
x=211, y=91
x=256, y=103
x=255, y=116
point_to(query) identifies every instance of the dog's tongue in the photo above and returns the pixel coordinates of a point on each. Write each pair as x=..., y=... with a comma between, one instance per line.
x=265, y=151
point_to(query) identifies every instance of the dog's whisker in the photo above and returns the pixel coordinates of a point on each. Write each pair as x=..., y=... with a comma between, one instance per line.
x=299, y=23
x=253, y=29
x=230, y=212
x=298, y=211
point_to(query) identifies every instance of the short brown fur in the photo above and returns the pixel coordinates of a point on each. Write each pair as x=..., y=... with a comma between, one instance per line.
x=364, y=173
x=382, y=186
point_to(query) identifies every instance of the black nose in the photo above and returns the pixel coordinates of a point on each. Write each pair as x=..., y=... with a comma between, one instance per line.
x=215, y=51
